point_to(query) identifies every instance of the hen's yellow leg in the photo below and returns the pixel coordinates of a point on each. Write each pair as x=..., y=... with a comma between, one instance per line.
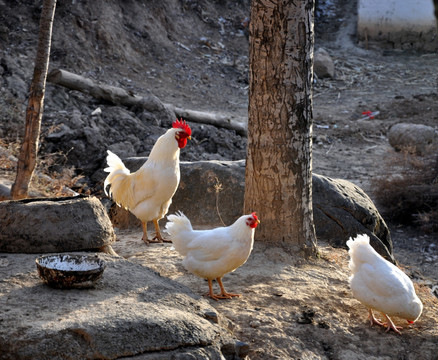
x=224, y=294
x=210, y=291
x=145, y=232
x=373, y=320
x=390, y=325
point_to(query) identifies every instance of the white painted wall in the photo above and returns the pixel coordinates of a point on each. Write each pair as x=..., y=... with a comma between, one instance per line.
x=397, y=23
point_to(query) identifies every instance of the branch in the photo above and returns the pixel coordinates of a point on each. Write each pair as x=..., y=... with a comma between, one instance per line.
x=219, y=120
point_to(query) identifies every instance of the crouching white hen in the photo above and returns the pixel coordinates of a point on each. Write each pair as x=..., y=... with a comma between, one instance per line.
x=210, y=254
x=380, y=285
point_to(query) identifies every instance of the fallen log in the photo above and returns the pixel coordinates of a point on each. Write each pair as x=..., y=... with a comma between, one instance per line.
x=120, y=96
x=215, y=119
x=112, y=94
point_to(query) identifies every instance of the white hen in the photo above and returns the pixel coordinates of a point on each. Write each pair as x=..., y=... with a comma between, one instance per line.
x=380, y=285
x=210, y=254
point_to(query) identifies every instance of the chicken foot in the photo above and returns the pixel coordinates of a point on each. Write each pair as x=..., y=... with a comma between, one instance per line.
x=223, y=294
x=145, y=232
x=389, y=324
x=157, y=238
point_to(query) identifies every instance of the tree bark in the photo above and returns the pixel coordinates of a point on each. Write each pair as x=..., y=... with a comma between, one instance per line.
x=29, y=149
x=119, y=96
x=278, y=181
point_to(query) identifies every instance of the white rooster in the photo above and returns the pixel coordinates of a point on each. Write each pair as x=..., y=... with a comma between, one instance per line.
x=380, y=285
x=148, y=192
x=210, y=254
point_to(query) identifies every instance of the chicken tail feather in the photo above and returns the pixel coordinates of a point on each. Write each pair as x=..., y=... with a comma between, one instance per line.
x=177, y=227
x=117, y=178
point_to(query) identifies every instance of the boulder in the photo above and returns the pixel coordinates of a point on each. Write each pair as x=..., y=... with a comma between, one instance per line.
x=412, y=136
x=132, y=311
x=341, y=210
x=54, y=225
x=210, y=192
x=212, y=188
x=323, y=65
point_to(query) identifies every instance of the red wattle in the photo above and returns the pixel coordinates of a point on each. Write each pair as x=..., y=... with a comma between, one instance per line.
x=182, y=142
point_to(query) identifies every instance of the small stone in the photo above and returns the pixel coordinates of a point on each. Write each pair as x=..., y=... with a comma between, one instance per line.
x=306, y=317
x=212, y=316
x=239, y=348
x=228, y=349
x=255, y=324
x=323, y=65
x=242, y=349
x=323, y=325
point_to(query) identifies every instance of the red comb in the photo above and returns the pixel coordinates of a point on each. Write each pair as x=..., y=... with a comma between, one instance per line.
x=254, y=215
x=181, y=124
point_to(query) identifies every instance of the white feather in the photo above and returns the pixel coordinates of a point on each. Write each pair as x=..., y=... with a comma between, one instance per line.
x=379, y=284
x=211, y=254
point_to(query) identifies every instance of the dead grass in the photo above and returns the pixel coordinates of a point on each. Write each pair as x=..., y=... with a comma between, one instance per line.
x=408, y=190
x=45, y=182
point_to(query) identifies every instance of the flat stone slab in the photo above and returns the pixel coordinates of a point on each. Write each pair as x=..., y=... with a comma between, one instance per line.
x=132, y=310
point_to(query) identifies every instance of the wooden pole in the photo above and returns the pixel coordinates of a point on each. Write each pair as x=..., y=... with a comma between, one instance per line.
x=29, y=149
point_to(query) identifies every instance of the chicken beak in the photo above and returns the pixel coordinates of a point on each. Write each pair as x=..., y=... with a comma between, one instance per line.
x=190, y=138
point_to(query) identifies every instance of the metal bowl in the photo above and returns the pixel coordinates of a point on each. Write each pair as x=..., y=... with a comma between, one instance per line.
x=67, y=271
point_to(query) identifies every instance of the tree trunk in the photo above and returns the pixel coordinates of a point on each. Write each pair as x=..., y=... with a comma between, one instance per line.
x=28, y=153
x=278, y=182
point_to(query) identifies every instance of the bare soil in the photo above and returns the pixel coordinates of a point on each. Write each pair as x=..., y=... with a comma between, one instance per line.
x=297, y=309
x=290, y=308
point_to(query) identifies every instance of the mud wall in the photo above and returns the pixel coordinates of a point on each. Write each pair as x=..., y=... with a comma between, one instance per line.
x=397, y=24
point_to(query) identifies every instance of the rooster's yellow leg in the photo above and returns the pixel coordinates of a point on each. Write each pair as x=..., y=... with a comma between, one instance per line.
x=224, y=294
x=158, y=238
x=145, y=232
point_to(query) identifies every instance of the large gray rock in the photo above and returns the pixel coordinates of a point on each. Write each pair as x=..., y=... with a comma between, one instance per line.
x=323, y=65
x=414, y=136
x=208, y=192
x=54, y=225
x=340, y=208
x=132, y=311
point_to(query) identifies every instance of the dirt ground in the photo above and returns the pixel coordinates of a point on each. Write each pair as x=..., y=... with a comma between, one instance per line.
x=291, y=308
x=296, y=309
